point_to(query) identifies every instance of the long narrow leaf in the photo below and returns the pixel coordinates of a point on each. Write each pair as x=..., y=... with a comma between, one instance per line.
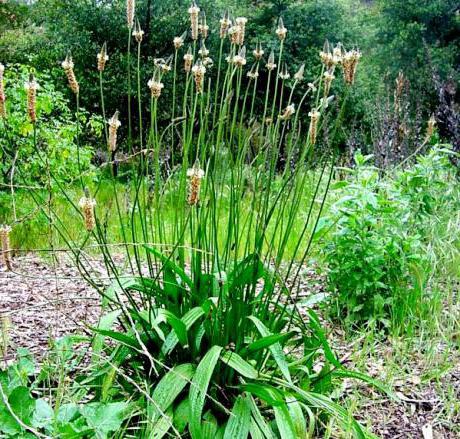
x=199, y=388
x=275, y=349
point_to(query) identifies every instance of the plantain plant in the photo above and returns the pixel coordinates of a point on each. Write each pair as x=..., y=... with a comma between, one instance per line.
x=202, y=325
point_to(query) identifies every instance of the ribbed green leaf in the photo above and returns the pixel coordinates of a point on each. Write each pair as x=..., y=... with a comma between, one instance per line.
x=254, y=430
x=233, y=360
x=314, y=322
x=345, y=420
x=160, y=315
x=199, y=388
x=259, y=420
x=297, y=416
x=105, y=323
x=170, y=386
x=345, y=373
x=269, y=340
x=266, y=392
x=275, y=349
x=239, y=421
x=182, y=415
x=284, y=422
x=118, y=336
x=162, y=425
x=188, y=319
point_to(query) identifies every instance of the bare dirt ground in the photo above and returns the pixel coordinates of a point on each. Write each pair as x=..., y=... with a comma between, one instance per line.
x=43, y=302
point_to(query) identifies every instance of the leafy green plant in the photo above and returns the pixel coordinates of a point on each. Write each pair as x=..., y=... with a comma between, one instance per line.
x=30, y=408
x=57, y=134
x=374, y=250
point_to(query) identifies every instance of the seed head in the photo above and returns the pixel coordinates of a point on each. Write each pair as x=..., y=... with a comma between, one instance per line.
x=114, y=124
x=240, y=59
x=32, y=86
x=6, y=250
x=2, y=92
x=328, y=78
x=281, y=31
x=87, y=205
x=138, y=33
x=130, y=7
x=68, y=65
x=337, y=55
x=350, y=61
x=288, y=112
x=271, y=62
x=327, y=57
x=258, y=52
x=179, y=41
x=203, y=52
x=208, y=62
x=198, y=71
x=165, y=65
x=203, y=28
x=253, y=73
x=155, y=86
x=430, y=127
x=241, y=24
x=299, y=75
x=195, y=175
x=194, y=10
x=102, y=58
x=313, y=129
x=188, y=60
x=225, y=23
x=284, y=74
x=234, y=34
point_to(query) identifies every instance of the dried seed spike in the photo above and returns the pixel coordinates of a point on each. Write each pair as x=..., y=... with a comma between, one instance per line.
x=2, y=93
x=313, y=129
x=113, y=123
x=350, y=61
x=195, y=175
x=241, y=25
x=32, y=86
x=188, y=60
x=198, y=71
x=194, y=10
x=328, y=78
x=87, y=205
x=130, y=7
x=5, y=242
x=225, y=23
x=203, y=28
x=430, y=127
x=155, y=85
x=102, y=58
x=68, y=65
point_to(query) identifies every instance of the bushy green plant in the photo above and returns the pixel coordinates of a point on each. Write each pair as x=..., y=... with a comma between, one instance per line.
x=373, y=251
x=57, y=134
